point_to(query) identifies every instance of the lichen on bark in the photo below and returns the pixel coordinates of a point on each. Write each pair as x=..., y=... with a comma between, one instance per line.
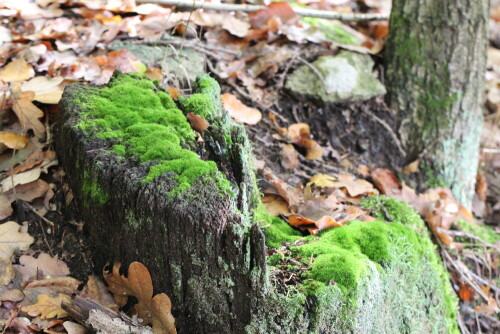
x=435, y=60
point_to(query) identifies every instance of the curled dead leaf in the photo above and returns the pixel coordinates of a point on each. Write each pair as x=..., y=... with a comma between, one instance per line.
x=240, y=112
x=197, y=122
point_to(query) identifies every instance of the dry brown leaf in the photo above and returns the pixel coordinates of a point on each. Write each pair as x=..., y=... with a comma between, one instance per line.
x=154, y=73
x=412, y=167
x=173, y=92
x=13, y=140
x=291, y=195
x=17, y=70
x=465, y=292
x=6, y=271
x=12, y=295
x=47, y=90
x=364, y=170
x=98, y=292
x=197, y=122
x=25, y=192
x=125, y=61
x=489, y=308
x=386, y=181
x=153, y=310
x=240, y=112
x=44, y=265
x=290, y=157
x=28, y=114
x=11, y=238
x=21, y=178
x=481, y=187
x=47, y=307
x=275, y=205
x=50, y=286
x=355, y=187
x=44, y=158
x=300, y=134
x=322, y=181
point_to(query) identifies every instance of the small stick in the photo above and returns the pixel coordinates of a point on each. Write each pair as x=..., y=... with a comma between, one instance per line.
x=253, y=8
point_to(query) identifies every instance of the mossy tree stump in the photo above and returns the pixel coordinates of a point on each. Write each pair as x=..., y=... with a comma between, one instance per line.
x=150, y=190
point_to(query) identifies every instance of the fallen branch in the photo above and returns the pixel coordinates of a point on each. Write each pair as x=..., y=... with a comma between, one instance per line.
x=253, y=8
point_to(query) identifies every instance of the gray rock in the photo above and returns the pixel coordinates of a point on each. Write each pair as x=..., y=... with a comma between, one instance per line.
x=179, y=63
x=347, y=76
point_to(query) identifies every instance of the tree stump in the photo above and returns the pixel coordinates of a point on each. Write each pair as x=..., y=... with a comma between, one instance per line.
x=199, y=245
x=185, y=204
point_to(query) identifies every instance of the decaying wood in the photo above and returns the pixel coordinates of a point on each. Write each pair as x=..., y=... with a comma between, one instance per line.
x=98, y=318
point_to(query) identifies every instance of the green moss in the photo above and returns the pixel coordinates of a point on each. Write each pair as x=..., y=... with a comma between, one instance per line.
x=479, y=230
x=145, y=123
x=392, y=263
x=92, y=189
x=200, y=104
x=276, y=230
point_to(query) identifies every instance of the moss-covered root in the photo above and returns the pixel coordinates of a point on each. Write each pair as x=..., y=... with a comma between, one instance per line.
x=381, y=277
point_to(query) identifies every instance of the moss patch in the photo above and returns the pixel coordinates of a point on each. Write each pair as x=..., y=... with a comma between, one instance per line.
x=143, y=122
x=375, y=265
x=91, y=189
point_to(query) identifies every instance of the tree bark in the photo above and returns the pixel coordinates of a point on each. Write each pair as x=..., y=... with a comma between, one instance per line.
x=201, y=248
x=436, y=58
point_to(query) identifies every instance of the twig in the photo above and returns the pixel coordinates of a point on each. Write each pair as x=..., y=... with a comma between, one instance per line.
x=315, y=71
x=389, y=129
x=464, y=234
x=253, y=8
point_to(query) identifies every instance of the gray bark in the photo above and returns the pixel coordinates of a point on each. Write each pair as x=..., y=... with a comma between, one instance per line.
x=436, y=58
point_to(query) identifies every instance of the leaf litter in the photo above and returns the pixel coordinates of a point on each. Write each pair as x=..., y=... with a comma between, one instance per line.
x=253, y=54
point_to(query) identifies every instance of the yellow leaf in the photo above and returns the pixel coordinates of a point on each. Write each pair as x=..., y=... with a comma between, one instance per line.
x=47, y=307
x=13, y=140
x=11, y=238
x=17, y=70
x=6, y=271
x=322, y=181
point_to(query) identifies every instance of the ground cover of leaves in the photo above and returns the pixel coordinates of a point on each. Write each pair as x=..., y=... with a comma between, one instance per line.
x=313, y=171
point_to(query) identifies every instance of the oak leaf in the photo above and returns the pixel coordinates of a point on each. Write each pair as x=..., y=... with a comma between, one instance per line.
x=13, y=237
x=13, y=140
x=98, y=292
x=6, y=271
x=47, y=90
x=44, y=265
x=25, y=192
x=28, y=114
x=153, y=310
x=47, y=307
x=17, y=70
x=322, y=181
x=355, y=187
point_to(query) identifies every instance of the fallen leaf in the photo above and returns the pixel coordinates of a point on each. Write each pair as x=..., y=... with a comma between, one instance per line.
x=281, y=9
x=13, y=140
x=465, y=292
x=240, y=112
x=291, y=195
x=489, y=308
x=25, y=192
x=47, y=90
x=411, y=167
x=6, y=271
x=355, y=187
x=197, y=122
x=47, y=307
x=313, y=149
x=44, y=158
x=12, y=238
x=125, y=61
x=153, y=310
x=154, y=73
x=386, y=181
x=17, y=70
x=28, y=114
x=21, y=178
x=12, y=295
x=173, y=92
x=98, y=292
x=290, y=157
x=481, y=187
x=300, y=134
x=275, y=205
x=44, y=265
x=322, y=181
x=51, y=287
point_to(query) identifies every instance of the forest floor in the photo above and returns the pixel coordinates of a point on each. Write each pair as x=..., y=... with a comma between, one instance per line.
x=302, y=146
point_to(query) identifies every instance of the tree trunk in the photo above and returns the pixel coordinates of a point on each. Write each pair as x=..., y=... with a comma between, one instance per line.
x=436, y=57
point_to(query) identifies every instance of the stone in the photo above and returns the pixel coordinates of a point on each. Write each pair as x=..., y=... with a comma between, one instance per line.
x=347, y=76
